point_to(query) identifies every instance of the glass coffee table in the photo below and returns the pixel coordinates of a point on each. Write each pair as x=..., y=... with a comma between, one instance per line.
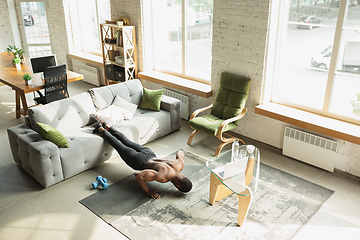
x=240, y=176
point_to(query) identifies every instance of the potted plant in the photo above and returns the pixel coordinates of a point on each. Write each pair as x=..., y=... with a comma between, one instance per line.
x=20, y=54
x=27, y=77
x=17, y=62
x=16, y=52
x=11, y=50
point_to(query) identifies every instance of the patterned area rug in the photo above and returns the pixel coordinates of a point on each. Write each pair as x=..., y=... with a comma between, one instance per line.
x=280, y=207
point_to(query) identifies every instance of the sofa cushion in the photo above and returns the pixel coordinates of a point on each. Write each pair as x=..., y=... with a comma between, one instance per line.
x=145, y=125
x=53, y=135
x=131, y=91
x=85, y=107
x=85, y=151
x=151, y=99
x=160, y=126
x=109, y=115
x=127, y=109
x=104, y=96
x=64, y=115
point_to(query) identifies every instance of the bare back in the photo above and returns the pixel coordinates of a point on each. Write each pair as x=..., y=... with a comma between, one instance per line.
x=160, y=170
x=156, y=164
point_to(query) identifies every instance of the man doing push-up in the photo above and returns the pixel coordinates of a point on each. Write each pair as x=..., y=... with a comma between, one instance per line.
x=144, y=159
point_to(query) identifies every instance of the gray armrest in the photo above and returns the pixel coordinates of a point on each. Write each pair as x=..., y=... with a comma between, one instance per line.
x=173, y=106
x=27, y=121
x=36, y=155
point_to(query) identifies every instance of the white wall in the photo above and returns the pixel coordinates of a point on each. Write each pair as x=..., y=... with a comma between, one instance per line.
x=9, y=32
x=132, y=10
x=239, y=41
x=57, y=28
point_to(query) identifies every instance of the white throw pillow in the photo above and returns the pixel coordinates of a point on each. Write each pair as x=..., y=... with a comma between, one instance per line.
x=109, y=115
x=128, y=109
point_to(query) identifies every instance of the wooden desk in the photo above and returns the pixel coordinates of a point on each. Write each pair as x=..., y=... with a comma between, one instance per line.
x=13, y=77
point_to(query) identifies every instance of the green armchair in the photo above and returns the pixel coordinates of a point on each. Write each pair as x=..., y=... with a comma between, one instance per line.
x=226, y=110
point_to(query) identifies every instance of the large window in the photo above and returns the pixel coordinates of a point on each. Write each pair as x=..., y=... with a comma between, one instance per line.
x=181, y=37
x=34, y=27
x=317, y=57
x=86, y=18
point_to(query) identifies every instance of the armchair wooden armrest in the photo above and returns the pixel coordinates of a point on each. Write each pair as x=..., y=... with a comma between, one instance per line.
x=227, y=121
x=197, y=111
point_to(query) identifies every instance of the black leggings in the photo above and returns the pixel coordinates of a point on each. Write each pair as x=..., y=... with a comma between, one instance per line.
x=132, y=153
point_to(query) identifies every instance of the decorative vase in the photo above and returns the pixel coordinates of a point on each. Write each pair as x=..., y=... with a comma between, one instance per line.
x=119, y=39
x=28, y=82
x=18, y=66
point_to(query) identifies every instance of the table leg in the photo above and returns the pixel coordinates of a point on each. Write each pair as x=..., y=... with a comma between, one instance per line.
x=249, y=171
x=20, y=95
x=244, y=205
x=17, y=102
x=218, y=190
x=24, y=103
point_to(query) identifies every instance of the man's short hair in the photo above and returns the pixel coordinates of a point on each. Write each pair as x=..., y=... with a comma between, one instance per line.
x=185, y=185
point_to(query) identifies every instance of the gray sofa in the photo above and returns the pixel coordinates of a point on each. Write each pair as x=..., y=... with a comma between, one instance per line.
x=49, y=164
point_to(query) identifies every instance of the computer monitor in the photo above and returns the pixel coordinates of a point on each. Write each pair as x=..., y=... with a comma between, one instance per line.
x=39, y=64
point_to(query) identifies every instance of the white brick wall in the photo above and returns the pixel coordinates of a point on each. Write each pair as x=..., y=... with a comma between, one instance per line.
x=132, y=10
x=57, y=28
x=6, y=38
x=9, y=34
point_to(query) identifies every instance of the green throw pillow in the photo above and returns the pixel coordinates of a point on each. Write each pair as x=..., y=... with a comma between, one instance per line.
x=151, y=99
x=52, y=134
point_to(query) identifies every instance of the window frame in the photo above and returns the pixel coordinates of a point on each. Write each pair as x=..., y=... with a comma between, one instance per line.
x=75, y=25
x=148, y=43
x=25, y=44
x=279, y=15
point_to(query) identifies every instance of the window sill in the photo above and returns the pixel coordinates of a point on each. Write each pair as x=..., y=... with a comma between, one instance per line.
x=182, y=84
x=91, y=59
x=311, y=121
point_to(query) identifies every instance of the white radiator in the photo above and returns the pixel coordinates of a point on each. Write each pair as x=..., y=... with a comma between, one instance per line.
x=184, y=105
x=309, y=148
x=91, y=74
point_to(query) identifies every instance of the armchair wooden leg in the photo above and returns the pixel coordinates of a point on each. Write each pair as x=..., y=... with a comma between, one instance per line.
x=225, y=141
x=219, y=148
x=233, y=138
x=192, y=136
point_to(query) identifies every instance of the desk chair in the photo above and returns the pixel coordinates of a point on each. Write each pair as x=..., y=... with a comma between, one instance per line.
x=226, y=110
x=55, y=85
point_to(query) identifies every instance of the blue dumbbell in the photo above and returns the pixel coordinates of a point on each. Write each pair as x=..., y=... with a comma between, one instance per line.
x=100, y=182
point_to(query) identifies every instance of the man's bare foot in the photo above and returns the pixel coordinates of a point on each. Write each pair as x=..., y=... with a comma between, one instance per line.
x=101, y=129
x=107, y=127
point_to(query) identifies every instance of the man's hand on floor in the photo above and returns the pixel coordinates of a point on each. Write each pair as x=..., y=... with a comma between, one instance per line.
x=153, y=193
